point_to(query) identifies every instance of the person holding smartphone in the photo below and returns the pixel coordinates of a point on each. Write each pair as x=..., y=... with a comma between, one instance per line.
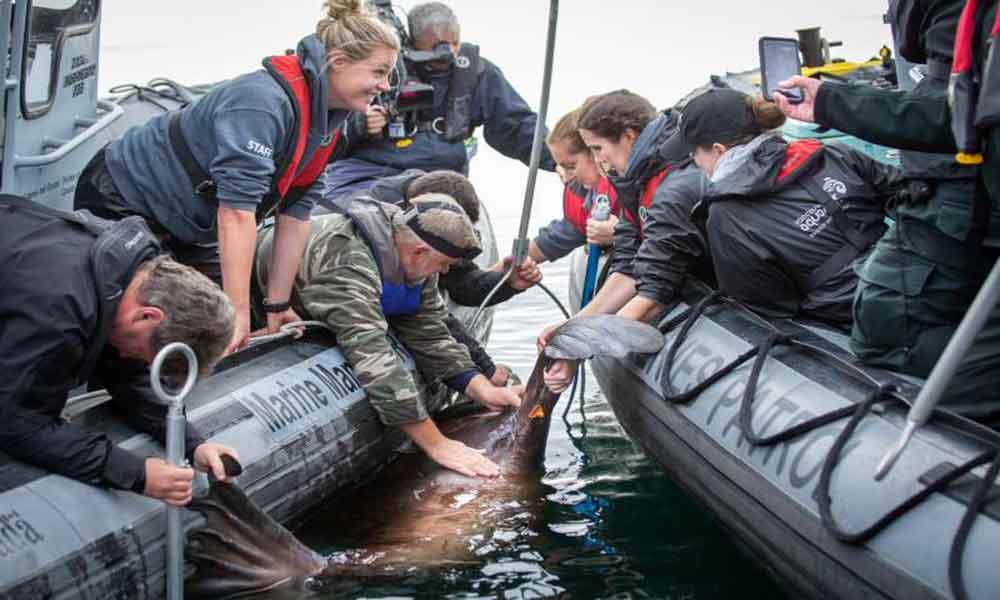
x=925, y=271
x=786, y=222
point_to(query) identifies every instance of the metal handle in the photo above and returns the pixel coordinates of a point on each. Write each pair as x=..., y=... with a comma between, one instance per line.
x=113, y=112
x=175, y=457
x=192, y=375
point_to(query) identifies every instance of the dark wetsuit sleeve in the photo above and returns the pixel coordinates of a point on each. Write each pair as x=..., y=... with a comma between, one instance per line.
x=468, y=285
x=39, y=365
x=626, y=244
x=897, y=119
x=673, y=245
x=508, y=122
x=479, y=355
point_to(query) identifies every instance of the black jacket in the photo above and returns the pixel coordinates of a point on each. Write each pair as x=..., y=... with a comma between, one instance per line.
x=62, y=282
x=769, y=229
x=665, y=245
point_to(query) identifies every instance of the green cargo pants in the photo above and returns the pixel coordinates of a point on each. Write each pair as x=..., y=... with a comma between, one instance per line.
x=913, y=290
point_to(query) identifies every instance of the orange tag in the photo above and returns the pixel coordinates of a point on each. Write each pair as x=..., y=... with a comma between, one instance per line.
x=537, y=413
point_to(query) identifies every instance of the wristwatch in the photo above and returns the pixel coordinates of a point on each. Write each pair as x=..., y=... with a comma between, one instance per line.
x=275, y=307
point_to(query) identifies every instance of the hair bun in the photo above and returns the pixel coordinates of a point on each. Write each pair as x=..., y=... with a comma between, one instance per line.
x=339, y=9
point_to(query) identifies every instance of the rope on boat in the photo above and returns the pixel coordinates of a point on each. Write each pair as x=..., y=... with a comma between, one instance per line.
x=880, y=394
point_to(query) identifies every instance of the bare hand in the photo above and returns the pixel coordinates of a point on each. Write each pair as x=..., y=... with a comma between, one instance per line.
x=500, y=376
x=241, y=330
x=543, y=337
x=805, y=110
x=560, y=375
x=601, y=232
x=524, y=276
x=499, y=398
x=456, y=456
x=208, y=458
x=170, y=484
x=375, y=120
x=276, y=320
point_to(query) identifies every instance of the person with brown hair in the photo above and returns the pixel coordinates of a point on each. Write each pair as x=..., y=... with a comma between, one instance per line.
x=87, y=298
x=585, y=188
x=786, y=222
x=656, y=243
x=203, y=176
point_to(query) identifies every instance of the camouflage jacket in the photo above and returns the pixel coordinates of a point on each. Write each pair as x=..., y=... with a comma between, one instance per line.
x=340, y=283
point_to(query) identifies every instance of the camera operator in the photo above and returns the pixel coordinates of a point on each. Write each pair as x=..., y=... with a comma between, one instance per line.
x=445, y=91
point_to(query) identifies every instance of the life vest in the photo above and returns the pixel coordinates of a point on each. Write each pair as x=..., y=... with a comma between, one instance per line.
x=974, y=88
x=291, y=177
x=645, y=201
x=577, y=206
x=296, y=172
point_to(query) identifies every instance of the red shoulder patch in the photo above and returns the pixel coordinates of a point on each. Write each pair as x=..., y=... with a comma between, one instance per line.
x=796, y=154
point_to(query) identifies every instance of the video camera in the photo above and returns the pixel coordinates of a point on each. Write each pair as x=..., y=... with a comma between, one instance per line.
x=408, y=94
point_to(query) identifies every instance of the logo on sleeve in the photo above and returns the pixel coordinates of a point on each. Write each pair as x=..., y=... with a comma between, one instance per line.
x=260, y=149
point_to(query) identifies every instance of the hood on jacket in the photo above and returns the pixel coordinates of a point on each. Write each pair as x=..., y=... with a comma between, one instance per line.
x=645, y=159
x=752, y=169
x=373, y=222
x=312, y=58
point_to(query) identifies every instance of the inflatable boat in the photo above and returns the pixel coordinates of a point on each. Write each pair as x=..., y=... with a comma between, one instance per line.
x=776, y=429
x=805, y=504
x=292, y=407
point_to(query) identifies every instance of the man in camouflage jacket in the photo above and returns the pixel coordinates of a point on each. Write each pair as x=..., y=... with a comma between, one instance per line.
x=378, y=266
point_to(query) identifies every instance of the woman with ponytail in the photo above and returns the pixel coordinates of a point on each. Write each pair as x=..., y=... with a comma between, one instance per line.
x=204, y=176
x=585, y=188
x=787, y=222
x=656, y=243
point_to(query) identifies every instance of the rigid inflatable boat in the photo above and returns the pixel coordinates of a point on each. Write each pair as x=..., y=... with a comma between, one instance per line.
x=776, y=429
x=293, y=409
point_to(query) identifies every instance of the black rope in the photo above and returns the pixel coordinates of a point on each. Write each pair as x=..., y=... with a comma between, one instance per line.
x=692, y=316
x=825, y=501
x=962, y=534
x=750, y=394
x=882, y=393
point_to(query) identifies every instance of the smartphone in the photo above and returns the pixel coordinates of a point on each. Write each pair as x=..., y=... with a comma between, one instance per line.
x=779, y=60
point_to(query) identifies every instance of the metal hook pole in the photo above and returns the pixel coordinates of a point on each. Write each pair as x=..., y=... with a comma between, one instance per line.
x=944, y=370
x=175, y=457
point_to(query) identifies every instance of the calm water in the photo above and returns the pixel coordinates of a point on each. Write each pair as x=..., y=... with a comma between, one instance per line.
x=610, y=523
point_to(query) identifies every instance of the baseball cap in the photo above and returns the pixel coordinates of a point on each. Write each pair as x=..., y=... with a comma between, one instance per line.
x=717, y=115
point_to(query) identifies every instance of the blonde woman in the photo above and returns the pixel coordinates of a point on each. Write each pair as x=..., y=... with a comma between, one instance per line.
x=203, y=177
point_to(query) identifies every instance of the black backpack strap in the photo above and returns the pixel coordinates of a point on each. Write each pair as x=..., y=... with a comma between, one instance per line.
x=201, y=182
x=83, y=218
x=859, y=238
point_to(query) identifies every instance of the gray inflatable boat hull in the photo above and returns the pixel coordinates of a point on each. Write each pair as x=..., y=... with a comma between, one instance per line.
x=765, y=495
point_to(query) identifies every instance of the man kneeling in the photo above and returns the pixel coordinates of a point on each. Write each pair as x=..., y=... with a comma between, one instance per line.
x=378, y=265
x=81, y=297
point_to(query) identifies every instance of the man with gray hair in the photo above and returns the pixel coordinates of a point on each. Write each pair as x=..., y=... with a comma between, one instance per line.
x=437, y=131
x=376, y=266
x=86, y=297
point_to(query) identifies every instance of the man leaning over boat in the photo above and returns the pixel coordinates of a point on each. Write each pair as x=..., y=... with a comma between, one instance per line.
x=378, y=265
x=84, y=297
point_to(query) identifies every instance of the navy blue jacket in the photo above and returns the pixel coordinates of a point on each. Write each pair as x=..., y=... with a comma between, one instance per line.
x=508, y=126
x=234, y=132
